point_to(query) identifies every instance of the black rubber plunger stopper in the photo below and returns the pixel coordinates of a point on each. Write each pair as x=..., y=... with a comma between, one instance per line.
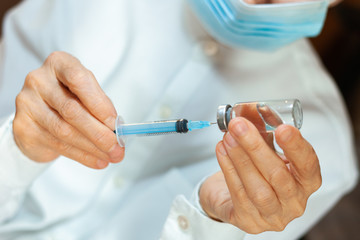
x=181, y=126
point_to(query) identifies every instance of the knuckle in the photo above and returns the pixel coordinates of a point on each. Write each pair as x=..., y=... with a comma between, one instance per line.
x=254, y=146
x=313, y=184
x=83, y=157
x=279, y=226
x=244, y=162
x=317, y=182
x=87, y=160
x=61, y=130
x=239, y=192
x=90, y=73
x=263, y=197
x=298, y=209
x=96, y=152
x=253, y=228
x=275, y=223
x=77, y=77
x=230, y=170
x=20, y=130
x=33, y=80
x=54, y=56
x=18, y=125
x=24, y=138
x=62, y=147
x=104, y=108
x=100, y=106
x=55, y=145
x=310, y=165
x=70, y=109
x=21, y=100
x=104, y=140
x=279, y=175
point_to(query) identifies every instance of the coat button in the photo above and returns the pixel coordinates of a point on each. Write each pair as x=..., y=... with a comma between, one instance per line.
x=165, y=111
x=210, y=47
x=183, y=222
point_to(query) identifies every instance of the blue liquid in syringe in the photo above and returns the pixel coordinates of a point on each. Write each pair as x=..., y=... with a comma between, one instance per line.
x=193, y=125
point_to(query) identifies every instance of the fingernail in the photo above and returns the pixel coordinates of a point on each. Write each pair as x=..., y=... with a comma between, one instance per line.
x=116, y=152
x=101, y=164
x=241, y=127
x=285, y=134
x=230, y=140
x=222, y=149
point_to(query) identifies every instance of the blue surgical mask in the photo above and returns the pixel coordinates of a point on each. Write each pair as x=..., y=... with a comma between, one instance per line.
x=260, y=26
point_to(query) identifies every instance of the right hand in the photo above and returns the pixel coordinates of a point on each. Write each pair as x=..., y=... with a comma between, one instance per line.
x=62, y=110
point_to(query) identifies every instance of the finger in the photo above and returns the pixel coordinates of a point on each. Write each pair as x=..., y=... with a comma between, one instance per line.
x=270, y=141
x=80, y=156
x=60, y=129
x=73, y=112
x=269, y=164
x=251, y=113
x=257, y=188
x=54, y=145
x=240, y=199
x=304, y=163
x=81, y=82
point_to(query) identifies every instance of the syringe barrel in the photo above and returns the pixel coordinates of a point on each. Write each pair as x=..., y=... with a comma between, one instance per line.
x=265, y=115
x=123, y=131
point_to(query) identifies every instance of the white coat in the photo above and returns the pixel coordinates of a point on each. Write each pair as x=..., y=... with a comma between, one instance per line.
x=154, y=61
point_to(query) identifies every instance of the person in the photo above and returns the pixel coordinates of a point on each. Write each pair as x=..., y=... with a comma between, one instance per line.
x=148, y=61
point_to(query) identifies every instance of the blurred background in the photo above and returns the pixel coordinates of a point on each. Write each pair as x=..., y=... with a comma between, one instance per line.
x=339, y=48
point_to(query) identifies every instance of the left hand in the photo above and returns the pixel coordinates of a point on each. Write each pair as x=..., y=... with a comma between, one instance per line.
x=258, y=189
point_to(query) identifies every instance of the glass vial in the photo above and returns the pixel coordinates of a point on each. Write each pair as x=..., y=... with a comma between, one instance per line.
x=265, y=115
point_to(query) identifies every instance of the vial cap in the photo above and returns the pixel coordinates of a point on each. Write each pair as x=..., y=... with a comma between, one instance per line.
x=223, y=117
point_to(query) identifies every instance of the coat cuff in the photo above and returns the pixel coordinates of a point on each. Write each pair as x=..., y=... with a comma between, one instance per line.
x=186, y=222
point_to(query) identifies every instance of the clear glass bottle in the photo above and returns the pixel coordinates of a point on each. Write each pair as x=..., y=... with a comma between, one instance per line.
x=265, y=115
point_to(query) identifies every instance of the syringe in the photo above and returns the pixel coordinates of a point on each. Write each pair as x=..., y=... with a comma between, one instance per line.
x=265, y=115
x=157, y=127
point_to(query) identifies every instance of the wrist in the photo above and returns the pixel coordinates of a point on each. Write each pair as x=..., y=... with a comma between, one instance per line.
x=205, y=196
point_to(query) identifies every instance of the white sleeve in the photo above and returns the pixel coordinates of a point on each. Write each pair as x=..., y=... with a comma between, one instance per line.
x=17, y=172
x=186, y=222
x=186, y=219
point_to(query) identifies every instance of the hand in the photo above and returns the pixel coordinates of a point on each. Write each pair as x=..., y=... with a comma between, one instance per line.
x=62, y=110
x=259, y=190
